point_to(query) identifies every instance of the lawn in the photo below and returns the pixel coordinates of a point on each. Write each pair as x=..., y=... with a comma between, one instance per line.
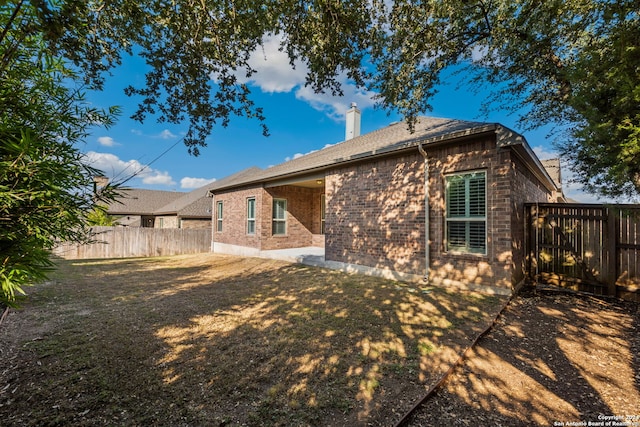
x=221, y=340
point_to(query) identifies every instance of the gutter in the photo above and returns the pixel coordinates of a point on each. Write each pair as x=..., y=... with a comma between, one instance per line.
x=396, y=148
x=506, y=137
x=427, y=260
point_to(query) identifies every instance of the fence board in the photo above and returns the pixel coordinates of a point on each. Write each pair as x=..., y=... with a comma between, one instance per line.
x=595, y=247
x=125, y=242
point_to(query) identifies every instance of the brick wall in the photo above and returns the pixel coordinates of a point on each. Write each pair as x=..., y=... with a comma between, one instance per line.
x=196, y=223
x=525, y=188
x=303, y=217
x=489, y=269
x=375, y=214
x=166, y=221
x=234, y=222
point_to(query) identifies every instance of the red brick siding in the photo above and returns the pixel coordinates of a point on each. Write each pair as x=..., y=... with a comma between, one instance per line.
x=375, y=214
x=196, y=223
x=234, y=223
x=303, y=217
x=525, y=188
x=166, y=221
x=489, y=269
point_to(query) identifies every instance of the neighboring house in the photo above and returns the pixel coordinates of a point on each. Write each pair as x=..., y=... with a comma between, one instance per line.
x=363, y=201
x=192, y=210
x=162, y=209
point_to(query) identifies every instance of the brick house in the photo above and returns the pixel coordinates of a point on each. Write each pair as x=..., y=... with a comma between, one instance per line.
x=363, y=201
x=162, y=209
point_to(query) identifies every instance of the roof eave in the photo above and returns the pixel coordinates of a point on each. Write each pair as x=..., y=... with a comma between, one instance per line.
x=383, y=152
x=506, y=137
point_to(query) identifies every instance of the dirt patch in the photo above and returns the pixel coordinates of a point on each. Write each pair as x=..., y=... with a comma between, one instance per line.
x=216, y=340
x=552, y=359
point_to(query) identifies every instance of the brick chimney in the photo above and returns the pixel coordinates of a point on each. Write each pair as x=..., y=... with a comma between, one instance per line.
x=353, y=122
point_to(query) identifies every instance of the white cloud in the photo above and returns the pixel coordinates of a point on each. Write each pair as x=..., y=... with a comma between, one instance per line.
x=188, y=182
x=119, y=170
x=274, y=73
x=155, y=177
x=106, y=141
x=336, y=106
x=295, y=156
x=166, y=134
x=544, y=154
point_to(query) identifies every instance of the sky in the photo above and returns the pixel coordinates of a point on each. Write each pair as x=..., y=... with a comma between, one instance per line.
x=299, y=121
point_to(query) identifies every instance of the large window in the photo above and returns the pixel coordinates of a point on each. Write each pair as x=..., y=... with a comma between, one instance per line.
x=219, y=216
x=279, y=223
x=251, y=215
x=467, y=212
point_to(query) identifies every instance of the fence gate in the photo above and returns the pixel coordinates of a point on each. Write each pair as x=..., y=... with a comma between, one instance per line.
x=591, y=248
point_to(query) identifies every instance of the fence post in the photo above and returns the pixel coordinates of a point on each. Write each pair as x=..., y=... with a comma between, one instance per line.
x=528, y=241
x=611, y=249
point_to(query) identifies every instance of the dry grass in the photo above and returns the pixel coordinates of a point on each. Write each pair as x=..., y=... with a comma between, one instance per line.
x=217, y=340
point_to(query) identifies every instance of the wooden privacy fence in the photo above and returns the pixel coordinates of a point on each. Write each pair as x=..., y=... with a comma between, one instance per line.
x=592, y=248
x=124, y=242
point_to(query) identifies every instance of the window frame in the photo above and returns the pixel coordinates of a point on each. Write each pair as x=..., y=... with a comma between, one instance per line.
x=251, y=216
x=219, y=215
x=275, y=220
x=323, y=213
x=471, y=222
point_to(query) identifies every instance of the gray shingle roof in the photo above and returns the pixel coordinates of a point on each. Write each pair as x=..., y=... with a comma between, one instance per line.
x=388, y=139
x=137, y=201
x=194, y=204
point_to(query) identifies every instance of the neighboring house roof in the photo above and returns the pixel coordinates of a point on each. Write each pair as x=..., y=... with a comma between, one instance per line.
x=135, y=201
x=393, y=138
x=194, y=204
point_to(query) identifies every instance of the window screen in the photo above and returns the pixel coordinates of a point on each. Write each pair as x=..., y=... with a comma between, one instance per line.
x=251, y=215
x=219, y=216
x=279, y=222
x=466, y=198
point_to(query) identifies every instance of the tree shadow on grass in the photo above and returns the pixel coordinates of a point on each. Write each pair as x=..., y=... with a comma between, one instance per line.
x=228, y=340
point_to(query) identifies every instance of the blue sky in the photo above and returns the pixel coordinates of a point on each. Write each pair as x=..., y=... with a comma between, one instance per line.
x=299, y=121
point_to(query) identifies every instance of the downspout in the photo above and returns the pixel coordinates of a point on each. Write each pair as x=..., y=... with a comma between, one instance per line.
x=427, y=261
x=213, y=218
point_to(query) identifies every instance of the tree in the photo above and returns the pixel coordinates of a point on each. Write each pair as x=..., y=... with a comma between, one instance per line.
x=574, y=64
x=99, y=216
x=45, y=183
x=555, y=59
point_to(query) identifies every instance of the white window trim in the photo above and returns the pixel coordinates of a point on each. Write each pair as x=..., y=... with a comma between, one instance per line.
x=251, y=219
x=323, y=208
x=274, y=219
x=467, y=218
x=219, y=216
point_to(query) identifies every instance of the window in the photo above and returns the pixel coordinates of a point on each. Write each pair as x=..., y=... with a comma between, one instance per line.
x=219, y=216
x=161, y=224
x=279, y=223
x=466, y=198
x=322, y=213
x=251, y=215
